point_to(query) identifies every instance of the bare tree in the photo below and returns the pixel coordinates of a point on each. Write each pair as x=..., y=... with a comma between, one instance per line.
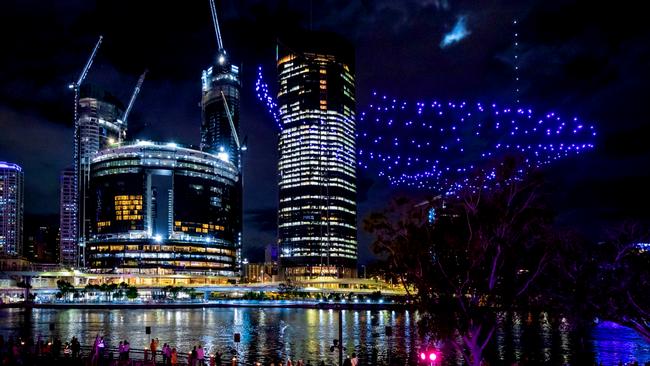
x=621, y=289
x=480, y=257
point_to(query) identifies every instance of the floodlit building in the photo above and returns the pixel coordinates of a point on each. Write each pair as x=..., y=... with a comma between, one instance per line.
x=100, y=121
x=218, y=81
x=68, y=249
x=11, y=208
x=163, y=209
x=100, y=125
x=220, y=104
x=317, y=228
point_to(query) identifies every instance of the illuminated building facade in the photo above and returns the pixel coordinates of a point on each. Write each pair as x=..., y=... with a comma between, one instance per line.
x=216, y=133
x=163, y=209
x=317, y=178
x=219, y=81
x=100, y=121
x=68, y=254
x=100, y=125
x=11, y=208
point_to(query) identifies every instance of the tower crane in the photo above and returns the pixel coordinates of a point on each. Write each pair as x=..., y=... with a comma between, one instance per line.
x=217, y=31
x=76, y=85
x=84, y=72
x=80, y=189
x=232, y=124
x=136, y=91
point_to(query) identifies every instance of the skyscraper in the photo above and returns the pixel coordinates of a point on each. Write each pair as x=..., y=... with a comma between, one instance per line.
x=218, y=81
x=11, y=209
x=220, y=135
x=100, y=121
x=100, y=125
x=317, y=168
x=67, y=215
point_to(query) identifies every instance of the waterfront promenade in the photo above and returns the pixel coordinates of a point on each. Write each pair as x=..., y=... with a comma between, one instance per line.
x=28, y=352
x=287, y=304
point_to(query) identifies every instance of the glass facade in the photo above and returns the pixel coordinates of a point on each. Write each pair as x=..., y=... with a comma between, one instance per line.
x=218, y=81
x=162, y=209
x=216, y=133
x=11, y=208
x=99, y=126
x=317, y=168
x=67, y=219
x=100, y=121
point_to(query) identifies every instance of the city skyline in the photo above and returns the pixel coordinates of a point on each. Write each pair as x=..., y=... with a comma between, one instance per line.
x=594, y=89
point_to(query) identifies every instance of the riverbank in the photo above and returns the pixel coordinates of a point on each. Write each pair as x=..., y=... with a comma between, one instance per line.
x=214, y=304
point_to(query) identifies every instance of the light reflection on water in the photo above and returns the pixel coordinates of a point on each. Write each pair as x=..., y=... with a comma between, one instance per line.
x=269, y=333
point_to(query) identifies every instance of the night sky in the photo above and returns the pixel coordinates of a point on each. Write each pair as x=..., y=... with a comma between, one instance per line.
x=581, y=58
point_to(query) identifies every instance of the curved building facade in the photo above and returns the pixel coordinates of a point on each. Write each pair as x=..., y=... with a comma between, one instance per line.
x=163, y=209
x=100, y=121
x=317, y=218
x=99, y=125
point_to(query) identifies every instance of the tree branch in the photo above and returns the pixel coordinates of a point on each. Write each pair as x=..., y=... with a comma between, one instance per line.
x=540, y=265
x=493, y=273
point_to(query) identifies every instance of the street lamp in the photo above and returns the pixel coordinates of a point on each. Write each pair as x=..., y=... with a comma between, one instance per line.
x=338, y=343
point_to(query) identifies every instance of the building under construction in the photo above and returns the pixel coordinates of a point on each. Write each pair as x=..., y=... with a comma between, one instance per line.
x=147, y=207
x=220, y=103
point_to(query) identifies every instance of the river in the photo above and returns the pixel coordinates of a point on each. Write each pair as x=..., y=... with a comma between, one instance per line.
x=307, y=334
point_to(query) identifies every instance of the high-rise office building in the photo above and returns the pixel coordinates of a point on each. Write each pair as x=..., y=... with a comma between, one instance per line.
x=11, y=208
x=317, y=230
x=40, y=240
x=68, y=254
x=163, y=209
x=100, y=125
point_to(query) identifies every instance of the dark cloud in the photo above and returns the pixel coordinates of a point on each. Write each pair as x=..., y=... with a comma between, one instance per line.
x=42, y=155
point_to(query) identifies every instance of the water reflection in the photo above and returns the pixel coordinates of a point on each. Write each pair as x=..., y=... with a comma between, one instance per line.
x=272, y=333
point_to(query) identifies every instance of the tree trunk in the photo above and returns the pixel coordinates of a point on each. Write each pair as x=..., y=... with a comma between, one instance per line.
x=474, y=345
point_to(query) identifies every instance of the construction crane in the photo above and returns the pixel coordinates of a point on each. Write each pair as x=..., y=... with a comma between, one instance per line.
x=240, y=147
x=215, y=22
x=84, y=72
x=80, y=190
x=76, y=85
x=135, y=94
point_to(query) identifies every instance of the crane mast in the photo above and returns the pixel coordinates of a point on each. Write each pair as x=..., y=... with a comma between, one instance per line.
x=80, y=189
x=89, y=63
x=136, y=91
x=215, y=22
x=232, y=124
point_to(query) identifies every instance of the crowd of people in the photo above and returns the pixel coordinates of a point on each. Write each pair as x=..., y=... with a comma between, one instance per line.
x=169, y=356
x=29, y=351
x=25, y=351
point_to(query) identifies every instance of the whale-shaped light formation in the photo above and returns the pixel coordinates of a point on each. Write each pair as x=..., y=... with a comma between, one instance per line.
x=263, y=95
x=445, y=146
